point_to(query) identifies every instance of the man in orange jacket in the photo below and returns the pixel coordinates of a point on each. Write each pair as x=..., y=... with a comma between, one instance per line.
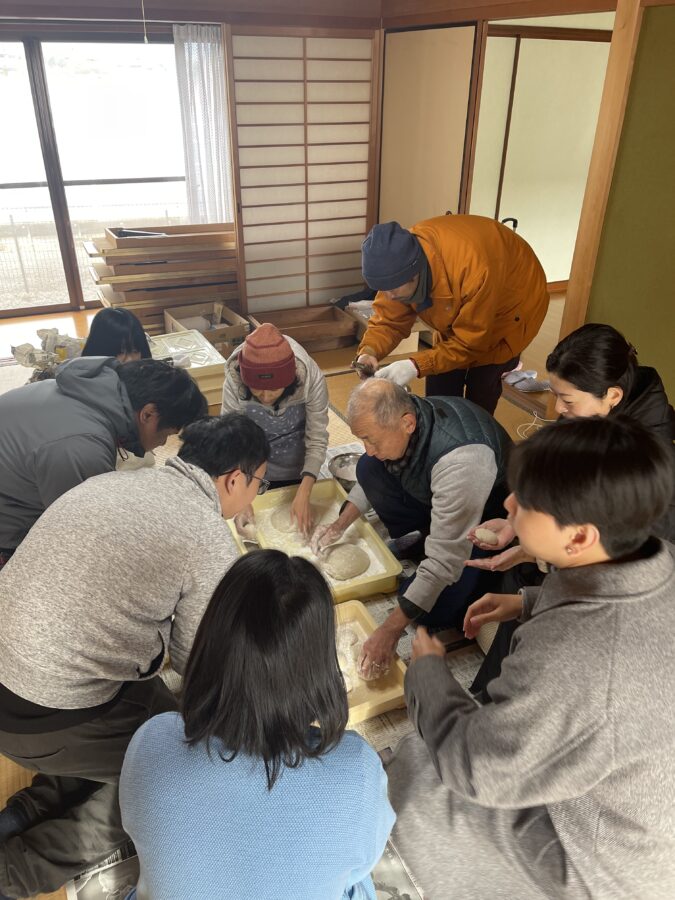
x=472, y=280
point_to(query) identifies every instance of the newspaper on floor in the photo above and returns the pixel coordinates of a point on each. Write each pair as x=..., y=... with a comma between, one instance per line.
x=115, y=877
x=111, y=879
x=393, y=880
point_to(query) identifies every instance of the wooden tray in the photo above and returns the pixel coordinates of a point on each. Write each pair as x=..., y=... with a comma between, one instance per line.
x=371, y=698
x=164, y=253
x=326, y=491
x=314, y=327
x=140, y=279
x=210, y=234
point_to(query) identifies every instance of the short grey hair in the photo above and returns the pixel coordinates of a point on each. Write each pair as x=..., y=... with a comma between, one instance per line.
x=385, y=401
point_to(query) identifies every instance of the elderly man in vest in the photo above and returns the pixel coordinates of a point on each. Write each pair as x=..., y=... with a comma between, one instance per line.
x=473, y=281
x=435, y=467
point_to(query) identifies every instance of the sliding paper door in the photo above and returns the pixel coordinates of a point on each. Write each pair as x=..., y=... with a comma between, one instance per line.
x=302, y=116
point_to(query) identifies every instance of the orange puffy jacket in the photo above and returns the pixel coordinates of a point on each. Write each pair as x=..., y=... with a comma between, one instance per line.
x=488, y=293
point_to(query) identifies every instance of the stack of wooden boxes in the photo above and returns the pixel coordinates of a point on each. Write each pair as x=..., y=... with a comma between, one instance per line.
x=165, y=267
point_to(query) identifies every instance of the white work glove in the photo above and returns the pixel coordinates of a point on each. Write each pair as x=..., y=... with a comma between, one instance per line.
x=401, y=372
x=324, y=536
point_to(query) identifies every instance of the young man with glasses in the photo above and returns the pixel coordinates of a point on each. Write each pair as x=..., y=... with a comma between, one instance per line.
x=112, y=579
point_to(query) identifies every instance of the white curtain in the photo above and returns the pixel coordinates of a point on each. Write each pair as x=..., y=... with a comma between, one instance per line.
x=200, y=64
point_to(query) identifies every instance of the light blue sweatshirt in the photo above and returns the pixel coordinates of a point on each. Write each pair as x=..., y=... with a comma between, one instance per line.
x=211, y=829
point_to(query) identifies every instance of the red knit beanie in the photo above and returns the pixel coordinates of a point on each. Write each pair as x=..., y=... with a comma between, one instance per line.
x=266, y=361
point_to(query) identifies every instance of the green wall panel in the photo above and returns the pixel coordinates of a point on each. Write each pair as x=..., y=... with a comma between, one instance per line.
x=634, y=282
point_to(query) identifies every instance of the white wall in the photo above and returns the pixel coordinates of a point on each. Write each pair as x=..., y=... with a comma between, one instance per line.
x=555, y=111
x=426, y=93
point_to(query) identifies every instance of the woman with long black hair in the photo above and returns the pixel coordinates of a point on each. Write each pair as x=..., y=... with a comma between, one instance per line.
x=256, y=791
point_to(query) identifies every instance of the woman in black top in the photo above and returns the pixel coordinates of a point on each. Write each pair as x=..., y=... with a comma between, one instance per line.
x=593, y=372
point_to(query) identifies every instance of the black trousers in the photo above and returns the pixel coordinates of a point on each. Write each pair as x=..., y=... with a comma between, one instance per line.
x=73, y=799
x=481, y=384
x=527, y=574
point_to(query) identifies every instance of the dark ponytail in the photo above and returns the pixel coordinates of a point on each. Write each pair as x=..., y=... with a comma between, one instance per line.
x=595, y=358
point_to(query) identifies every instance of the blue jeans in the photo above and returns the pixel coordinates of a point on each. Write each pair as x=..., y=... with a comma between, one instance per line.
x=402, y=513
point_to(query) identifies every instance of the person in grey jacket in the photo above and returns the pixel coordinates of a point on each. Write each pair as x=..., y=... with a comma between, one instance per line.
x=564, y=786
x=434, y=466
x=275, y=382
x=56, y=433
x=112, y=579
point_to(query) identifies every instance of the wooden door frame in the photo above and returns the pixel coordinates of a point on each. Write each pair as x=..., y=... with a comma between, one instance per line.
x=603, y=158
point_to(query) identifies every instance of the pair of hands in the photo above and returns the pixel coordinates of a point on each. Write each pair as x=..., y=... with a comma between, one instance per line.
x=301, y=514
x=378, y=651
x=500, y=562
x=400, y=373
x=490, y=608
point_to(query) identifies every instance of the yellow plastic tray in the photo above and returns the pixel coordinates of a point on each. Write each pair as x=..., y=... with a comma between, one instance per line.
x=328, y=490
x=371, y=698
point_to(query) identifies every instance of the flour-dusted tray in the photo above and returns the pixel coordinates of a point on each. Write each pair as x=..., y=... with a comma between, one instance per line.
x=327, y=497
x=369, y=698
x=207, y=366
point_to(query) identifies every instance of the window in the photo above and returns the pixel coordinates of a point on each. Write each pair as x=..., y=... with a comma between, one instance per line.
x=118, y=133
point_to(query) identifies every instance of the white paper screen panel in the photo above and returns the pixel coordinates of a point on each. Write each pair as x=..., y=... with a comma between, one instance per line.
x=333, y=113
x=337, y=153
x=338, y=172
x=268, y=69
x=341, y=190
x=339, y=48
x=281, y=285
x=338, y=92
x=272, y=114
x=266, y=196
x=266, y=47
x=329, y=279
x=280, y=250
x=271, y=156
x=303, y=112
x=269, y=92
x=339, y=244
x=272, y=175
x=337, y=134
x=337, y=210
x=275, y=267
x=338, y=70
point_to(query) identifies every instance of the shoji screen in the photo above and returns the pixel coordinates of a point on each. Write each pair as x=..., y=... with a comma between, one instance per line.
x=302, y=124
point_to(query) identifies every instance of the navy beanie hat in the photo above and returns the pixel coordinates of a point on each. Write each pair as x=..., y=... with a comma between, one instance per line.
x=390, y=256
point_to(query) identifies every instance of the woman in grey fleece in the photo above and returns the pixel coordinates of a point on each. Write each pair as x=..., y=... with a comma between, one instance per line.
x=564, y=786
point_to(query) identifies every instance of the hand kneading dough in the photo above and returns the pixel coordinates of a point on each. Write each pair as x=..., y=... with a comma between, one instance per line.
x=486, y=536
x=345, y=561
x=281, y=520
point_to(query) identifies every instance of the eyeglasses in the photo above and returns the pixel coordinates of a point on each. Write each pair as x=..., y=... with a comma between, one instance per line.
x=264, y=483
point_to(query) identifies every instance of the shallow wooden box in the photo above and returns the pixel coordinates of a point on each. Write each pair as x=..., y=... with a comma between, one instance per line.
x=207, y=366
x=159, y=235
x=371, y=698
x=326, y=491
x=232, y=328
x=314, y=327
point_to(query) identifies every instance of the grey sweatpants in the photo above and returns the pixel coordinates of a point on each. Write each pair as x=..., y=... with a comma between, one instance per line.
x=73, y=800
